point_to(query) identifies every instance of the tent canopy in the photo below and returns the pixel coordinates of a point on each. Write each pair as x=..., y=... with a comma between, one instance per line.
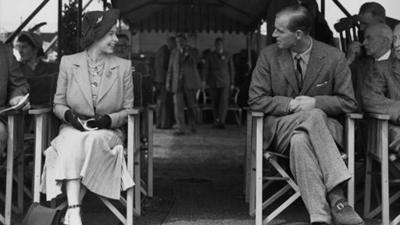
x=193, y=15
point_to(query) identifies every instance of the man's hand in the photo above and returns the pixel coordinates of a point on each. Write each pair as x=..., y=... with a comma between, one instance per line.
x=353, y=51
x=294, y=106
x=15, y=100
x=305, y=103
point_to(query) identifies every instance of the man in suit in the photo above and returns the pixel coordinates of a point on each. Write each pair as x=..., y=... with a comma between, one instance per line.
x=301, y=85
x=183, y=80
x=381, y=94
x=165, y=108
x=13, y=87
x=220, y=77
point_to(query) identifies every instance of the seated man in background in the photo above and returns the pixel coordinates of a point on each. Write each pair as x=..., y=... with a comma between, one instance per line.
x=13, y=87
x=301, y=85
x=41, y=75
x=381, y=94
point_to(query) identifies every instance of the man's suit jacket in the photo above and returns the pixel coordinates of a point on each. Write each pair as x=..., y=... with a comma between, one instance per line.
x=73, y=92
x=185, y=64
x=381, y=91
x=219, y=70
x=12, y=81
x=273, y=85
x=161, y=64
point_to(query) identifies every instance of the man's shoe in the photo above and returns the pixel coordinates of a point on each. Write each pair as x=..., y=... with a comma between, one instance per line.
x=344, y=214
x=221, y=126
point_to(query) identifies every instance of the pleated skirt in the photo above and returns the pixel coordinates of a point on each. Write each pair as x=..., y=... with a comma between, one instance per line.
x=94, y=157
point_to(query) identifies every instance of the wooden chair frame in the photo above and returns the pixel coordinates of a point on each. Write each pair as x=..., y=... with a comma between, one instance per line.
x=132, y=202
x=254, y=168
x=378, y=150
x=14, y=144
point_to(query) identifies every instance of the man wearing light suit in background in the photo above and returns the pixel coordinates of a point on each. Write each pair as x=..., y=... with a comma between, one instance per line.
x=302, y=85
x=183, y=80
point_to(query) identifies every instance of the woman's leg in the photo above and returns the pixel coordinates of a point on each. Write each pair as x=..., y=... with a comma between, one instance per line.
x=74, y=198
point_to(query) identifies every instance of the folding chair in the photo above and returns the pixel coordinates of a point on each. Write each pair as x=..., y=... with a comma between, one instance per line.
x=14, y=147
x=254, y=166
x=234, y=107
x=378, y=150
x=132, y=201
x=348, y=31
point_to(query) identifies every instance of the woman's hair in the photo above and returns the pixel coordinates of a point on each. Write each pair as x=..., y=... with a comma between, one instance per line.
x=26, y=39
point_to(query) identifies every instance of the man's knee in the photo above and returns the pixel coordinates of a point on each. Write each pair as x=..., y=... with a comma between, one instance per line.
x=299, y=139
x=317, y=113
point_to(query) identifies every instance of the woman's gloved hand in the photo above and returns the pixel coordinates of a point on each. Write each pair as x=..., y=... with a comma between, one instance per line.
x=72, y=119
x=100, y=122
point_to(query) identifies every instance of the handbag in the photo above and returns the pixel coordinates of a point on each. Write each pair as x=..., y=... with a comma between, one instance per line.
x=41, y=215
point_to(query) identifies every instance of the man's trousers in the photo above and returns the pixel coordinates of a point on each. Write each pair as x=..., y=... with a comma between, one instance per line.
x=220, y=102
x=315, y=160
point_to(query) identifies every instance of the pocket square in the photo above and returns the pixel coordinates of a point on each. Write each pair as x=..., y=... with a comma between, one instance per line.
x=321, y=84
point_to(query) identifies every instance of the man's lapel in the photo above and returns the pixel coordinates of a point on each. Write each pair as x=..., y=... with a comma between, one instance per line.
x=314, y=67
x=81, y=74
x=109, y=77
x=286, y=64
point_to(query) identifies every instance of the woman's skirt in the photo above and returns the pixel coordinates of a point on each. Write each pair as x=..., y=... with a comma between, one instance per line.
x=94, y=157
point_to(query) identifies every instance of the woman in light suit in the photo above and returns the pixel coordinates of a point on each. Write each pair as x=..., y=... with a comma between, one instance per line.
x=96, y=87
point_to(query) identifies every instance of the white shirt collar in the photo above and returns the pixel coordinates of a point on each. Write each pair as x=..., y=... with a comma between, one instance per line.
x=384, y=56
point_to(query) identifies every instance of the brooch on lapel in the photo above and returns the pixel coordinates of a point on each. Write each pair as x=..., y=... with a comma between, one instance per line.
x=99, y=19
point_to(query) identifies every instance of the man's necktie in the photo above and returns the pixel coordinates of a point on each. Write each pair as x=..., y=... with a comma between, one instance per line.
x=299, y=72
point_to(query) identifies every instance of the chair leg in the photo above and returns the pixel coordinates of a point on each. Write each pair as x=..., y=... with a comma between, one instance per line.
x=150, y=153
x=247, y=158
x=137, y=177
x=385, y=173
x=11, y=148
x=259, y=170
x=368, y=181
x=350, y=137
x=40, y=142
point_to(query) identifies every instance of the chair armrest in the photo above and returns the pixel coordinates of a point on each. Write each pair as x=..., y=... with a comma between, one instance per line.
x=135, y=111
x=153, y=107
x=355, y=116
x=39, y=111
x=257, y=114
x=378, y=116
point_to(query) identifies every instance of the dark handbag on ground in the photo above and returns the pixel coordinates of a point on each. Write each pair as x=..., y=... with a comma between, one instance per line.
x=41, y=215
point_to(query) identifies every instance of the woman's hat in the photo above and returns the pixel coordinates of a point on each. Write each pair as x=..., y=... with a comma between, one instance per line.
x=35, y=39
x=96, y=24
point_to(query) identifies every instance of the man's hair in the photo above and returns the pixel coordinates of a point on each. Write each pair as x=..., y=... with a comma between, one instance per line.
x=382, y=30
x=300, y=18
x=375, y=9
x=182, y=36
x=219, y=39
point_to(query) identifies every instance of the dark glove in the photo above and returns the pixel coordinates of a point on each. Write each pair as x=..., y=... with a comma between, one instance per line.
x=101, y=122
x=72, y=119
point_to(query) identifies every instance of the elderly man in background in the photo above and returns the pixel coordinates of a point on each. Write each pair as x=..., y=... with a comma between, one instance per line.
x=301, y=85
x=165, y=105
x=220, y=77
x=13, y=87
x=381, y=93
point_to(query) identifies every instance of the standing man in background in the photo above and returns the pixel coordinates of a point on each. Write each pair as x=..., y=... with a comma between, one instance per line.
x=220, y=77
x=183, y=80
x=164, y=108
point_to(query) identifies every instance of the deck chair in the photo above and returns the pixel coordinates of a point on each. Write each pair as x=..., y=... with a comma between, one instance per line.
x=205, y=103
x=348, y=31
x=14, y=147
x=132, y=200
x=378, y=151
x=234, y=107
x=255, y=156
